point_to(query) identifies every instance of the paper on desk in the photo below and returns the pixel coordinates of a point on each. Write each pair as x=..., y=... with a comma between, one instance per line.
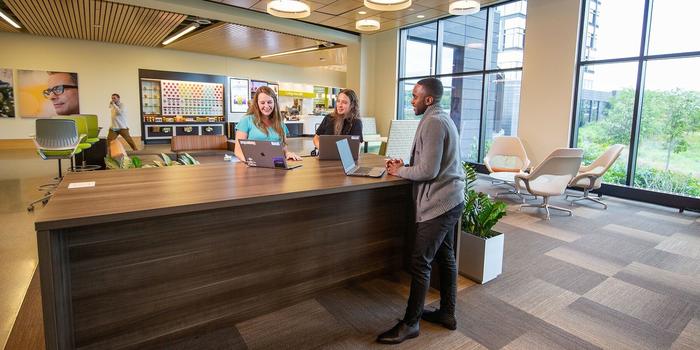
x=81, y=184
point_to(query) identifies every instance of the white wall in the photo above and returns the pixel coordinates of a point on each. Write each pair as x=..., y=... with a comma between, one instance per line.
x=382, y=60
x=549, y=66
x=105, y=68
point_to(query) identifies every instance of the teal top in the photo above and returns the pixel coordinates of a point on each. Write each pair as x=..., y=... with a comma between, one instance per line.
x=246, y=125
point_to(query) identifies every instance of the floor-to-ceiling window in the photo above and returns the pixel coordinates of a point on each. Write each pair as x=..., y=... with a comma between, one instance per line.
x=479, y=59
x=639, y=85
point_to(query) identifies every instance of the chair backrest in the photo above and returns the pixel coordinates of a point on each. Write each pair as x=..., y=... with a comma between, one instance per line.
x=198, y=143
x=93, y=127
x=608, y=158
x=507, y=153
x=400, y=140
x=369, y=126
x=56, y=133
x=80, y=123
x=563, y=162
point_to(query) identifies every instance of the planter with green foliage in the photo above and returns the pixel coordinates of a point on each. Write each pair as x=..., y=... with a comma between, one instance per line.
x=127, y=162
x=480, y=247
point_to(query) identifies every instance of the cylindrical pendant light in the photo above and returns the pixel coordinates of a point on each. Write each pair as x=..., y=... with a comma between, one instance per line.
x=367, y=25
x=464, y=7
x=288, y=9
x=388, y=5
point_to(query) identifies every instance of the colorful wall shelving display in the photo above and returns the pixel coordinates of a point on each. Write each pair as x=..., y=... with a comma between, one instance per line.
x=188, y=98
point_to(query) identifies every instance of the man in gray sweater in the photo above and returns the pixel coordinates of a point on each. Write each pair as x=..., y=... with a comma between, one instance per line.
x=438, y=190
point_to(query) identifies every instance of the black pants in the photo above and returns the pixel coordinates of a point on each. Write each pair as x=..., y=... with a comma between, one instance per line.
x=434, y=240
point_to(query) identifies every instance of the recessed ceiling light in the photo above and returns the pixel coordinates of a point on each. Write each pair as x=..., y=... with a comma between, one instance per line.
x=97, y=25
x=388, y=5
x=9, y=20
x=288, y=9
x=362, y=12
x=367, y=25
x=420, y=16
x=411, y=9
x=177, y=35
x=464, y=7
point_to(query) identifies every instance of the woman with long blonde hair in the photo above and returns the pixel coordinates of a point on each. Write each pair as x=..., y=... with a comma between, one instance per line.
x=264, y=123
x=345, y=119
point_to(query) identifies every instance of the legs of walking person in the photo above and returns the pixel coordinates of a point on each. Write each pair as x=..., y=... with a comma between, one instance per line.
x=127, y=137
x=111, y=136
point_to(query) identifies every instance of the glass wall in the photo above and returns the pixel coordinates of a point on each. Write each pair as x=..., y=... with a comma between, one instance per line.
x=478, y=58
x=639, y=85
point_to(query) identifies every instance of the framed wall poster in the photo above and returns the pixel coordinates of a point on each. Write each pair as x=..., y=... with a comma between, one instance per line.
x=239, y=95
x=46, y=94
x=7, y=97
x=254, y=85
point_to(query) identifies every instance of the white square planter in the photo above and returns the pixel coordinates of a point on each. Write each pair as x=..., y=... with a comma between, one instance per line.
x=480, y=259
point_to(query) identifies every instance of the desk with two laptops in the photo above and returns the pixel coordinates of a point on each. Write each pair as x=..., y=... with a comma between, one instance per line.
x=271, y=154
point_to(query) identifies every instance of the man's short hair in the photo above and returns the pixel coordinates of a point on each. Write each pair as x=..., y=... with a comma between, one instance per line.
x=73, y=76
x=432, y=87
x=116, y=94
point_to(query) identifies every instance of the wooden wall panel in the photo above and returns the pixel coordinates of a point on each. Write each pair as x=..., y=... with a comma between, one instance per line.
x=135, y=282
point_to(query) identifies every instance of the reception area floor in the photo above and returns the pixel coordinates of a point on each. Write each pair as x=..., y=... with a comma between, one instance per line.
x=623, y=278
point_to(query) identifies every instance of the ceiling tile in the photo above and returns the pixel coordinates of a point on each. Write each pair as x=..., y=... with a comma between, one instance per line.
x=317, y=17
x=403, y=13
x=262, y=5
x=353, y=14
x=341, y=6
x=336, y=21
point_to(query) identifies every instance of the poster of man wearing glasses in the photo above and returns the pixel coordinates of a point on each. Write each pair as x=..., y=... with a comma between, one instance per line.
x=46, y=94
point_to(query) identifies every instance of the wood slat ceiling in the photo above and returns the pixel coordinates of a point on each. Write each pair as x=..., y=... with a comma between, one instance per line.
x=227, y=39
x=5, y=27
x=95, y=20
x=342, y=14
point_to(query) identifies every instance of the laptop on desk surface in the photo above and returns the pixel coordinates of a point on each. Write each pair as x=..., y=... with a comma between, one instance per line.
x=327, y=149
x=349, y=165
x=265, y=154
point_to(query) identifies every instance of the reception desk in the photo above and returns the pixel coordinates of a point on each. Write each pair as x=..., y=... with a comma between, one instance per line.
x=151, y=255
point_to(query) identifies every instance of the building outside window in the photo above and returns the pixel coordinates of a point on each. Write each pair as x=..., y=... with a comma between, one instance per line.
x=478, y=58
x=639, y=85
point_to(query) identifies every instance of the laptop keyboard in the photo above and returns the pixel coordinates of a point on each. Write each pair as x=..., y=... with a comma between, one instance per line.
x=363, y=171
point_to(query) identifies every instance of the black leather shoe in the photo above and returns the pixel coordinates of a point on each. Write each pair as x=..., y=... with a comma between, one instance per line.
x=435, y=316
x=399, y=333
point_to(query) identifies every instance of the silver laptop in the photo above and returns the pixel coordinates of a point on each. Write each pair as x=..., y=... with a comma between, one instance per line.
x=327, y=149
x=265, y=154
x=349, y=166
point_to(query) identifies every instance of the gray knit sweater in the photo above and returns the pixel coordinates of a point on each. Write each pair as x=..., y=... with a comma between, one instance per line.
x=435, y=166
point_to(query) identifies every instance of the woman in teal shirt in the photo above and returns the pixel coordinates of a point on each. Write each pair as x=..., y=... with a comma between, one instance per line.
x=263, y=123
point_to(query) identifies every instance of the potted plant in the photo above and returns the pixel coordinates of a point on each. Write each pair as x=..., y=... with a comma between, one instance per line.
x=480, y=247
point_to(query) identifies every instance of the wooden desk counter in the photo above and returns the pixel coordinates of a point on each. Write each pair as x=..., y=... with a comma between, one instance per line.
x=151, y=255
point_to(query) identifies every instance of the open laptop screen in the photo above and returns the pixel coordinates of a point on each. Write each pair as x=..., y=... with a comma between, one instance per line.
x=345, y=155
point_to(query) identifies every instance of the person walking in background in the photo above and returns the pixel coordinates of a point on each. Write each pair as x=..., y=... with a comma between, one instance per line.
x=438, y=191
x=119, y=126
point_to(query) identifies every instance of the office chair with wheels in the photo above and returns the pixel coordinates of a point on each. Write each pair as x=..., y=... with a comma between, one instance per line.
x=55, y=139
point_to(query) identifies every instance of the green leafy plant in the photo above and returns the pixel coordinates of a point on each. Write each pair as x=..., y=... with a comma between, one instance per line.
x=480, y=213
x=127, y=162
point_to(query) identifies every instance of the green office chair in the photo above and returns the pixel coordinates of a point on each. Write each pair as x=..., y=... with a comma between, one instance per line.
x=93, y=128
x=81, y=123
x=55, y=139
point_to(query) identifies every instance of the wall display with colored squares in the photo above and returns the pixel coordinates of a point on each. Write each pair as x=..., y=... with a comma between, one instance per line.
x=187, y=98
